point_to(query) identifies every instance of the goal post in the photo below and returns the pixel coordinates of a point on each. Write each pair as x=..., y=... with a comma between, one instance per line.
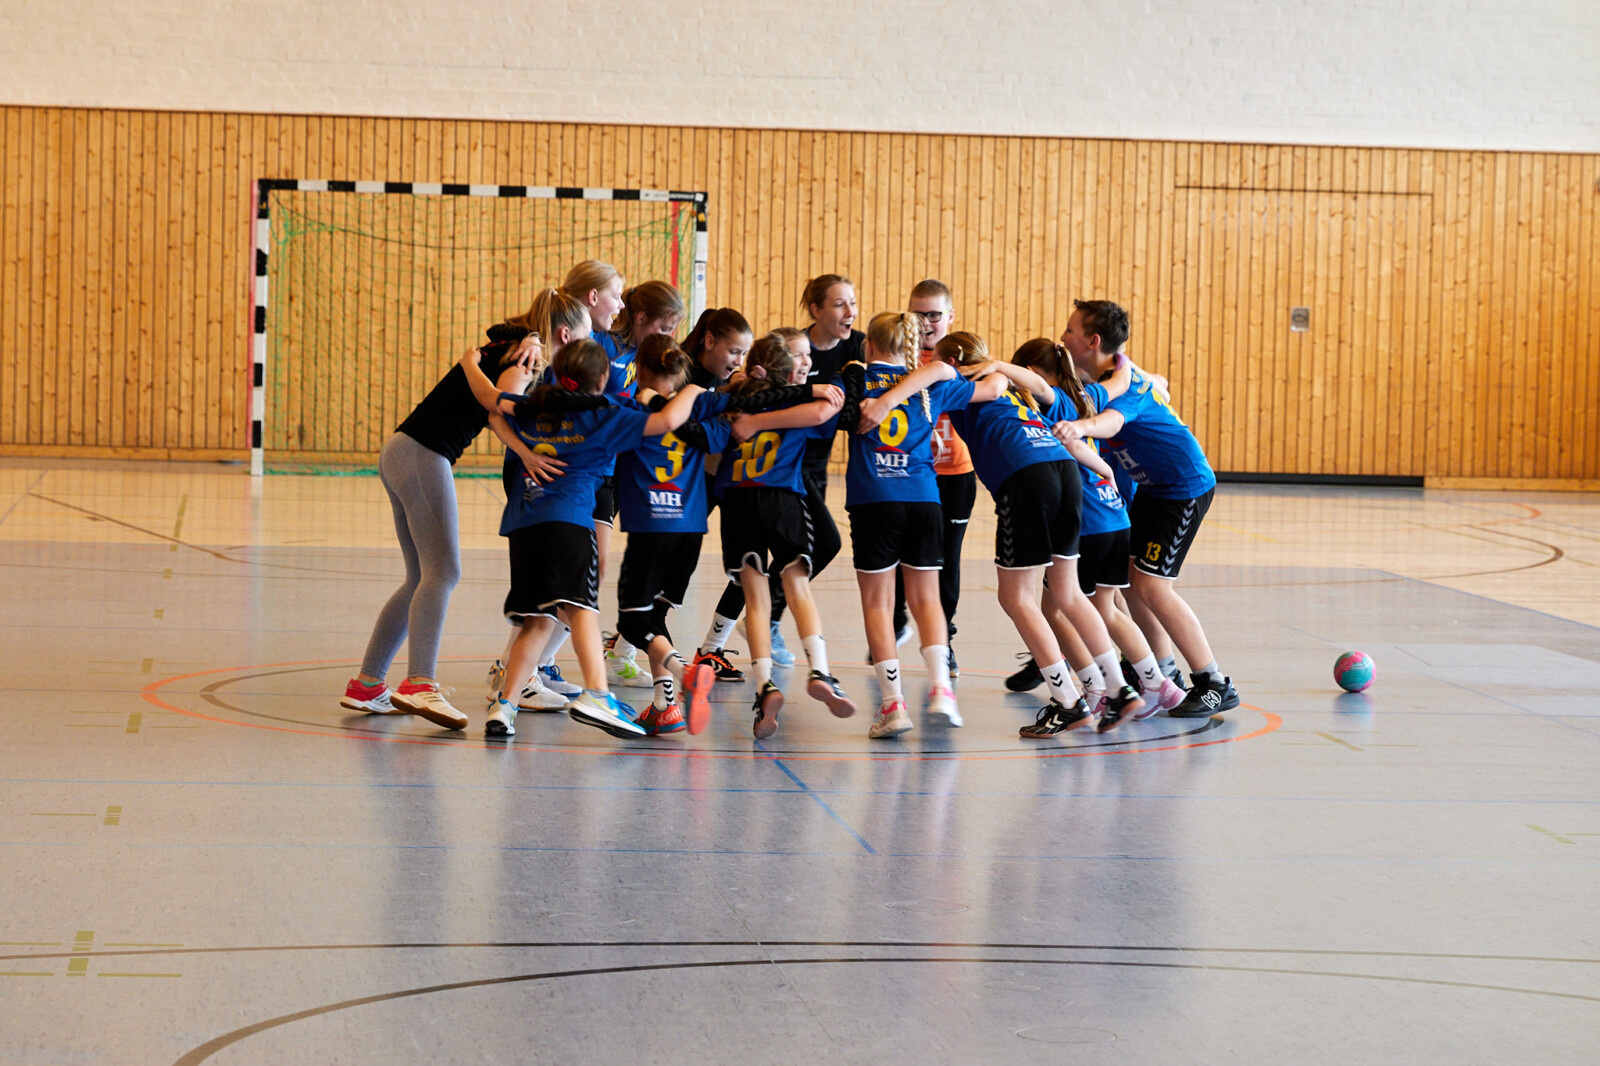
x=365, y=293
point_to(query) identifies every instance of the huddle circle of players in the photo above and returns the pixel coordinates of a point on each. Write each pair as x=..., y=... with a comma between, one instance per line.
x=1099, y=490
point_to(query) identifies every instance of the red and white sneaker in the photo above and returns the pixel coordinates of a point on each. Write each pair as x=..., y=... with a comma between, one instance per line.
x=374, y=699
x=658, y=720
x=942, y=704
x=696, y=685
x=423, y=699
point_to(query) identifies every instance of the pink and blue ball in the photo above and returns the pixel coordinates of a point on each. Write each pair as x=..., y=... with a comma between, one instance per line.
x=1354, y=671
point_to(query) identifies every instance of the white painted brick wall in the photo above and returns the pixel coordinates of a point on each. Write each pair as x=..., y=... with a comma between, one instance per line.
x=1501, y=74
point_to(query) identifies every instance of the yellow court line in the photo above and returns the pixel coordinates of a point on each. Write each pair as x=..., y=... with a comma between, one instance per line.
x=139, y=975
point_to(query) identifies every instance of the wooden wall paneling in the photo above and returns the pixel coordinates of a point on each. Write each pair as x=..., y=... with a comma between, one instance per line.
x=1431, y=321
x=79, y=400
x=12, y=226
x=1585, y=336
x=41, y=364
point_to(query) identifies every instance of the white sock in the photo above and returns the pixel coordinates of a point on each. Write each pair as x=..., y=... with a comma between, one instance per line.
x=1061, y=690
x=717, y=635
x=816, y=652
x=937, y=656
x=558, y=638
x=664, y=692
x=1111, y=667
x=1150, y=676
x=889, y=679
x=762, y=668
x=1093, y=680
x=676, y=665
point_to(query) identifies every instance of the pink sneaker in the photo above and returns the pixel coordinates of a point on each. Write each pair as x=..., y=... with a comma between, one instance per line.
x=374, y=699
x=1164, y=698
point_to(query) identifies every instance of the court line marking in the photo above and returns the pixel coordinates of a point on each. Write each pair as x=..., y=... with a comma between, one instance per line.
x=149, y=694
x=870, y=850
x=211, y=1047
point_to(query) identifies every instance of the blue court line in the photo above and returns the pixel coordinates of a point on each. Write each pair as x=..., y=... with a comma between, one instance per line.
x=813, y=792
x=819, y=801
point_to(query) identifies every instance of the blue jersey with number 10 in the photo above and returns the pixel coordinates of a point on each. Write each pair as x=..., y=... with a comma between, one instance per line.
x=661, y=485
x=770, y=459
x=894, y=462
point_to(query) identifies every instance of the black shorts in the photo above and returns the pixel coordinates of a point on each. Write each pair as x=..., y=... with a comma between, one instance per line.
x=657, y=566
x=1103, y=561
x=1037, y=511
x=764, y=527
x=553, y=563
x=605, y=500
x=888, y=534
x=957, y=495
x=1163, y=530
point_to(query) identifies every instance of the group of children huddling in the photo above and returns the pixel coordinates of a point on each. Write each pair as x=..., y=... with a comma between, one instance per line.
x=626, y=425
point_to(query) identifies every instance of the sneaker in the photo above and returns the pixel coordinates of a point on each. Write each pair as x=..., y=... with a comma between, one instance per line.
x=605, y=712
x=550, y=677
x=769, y=701
x=495, y=681
x=781, y=655
x=374, y=699
x=955, y=671
x=696, y=686
x=1026, y=678
x=502, y=720
x=891, y=721
x=1054, y=719
x=942, y=702
x=623, y=669
x=1210, y=695
x=426, y=701
x=658, y=720
x=1116, y=708
x=1130, y=676
x=1177, y=679
x=717, y=659
x=1164, y=698
x=902, y=634
x=535, y=697
x=825, y=687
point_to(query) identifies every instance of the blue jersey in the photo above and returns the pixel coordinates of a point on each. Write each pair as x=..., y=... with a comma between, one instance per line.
x=1004, y=436
x=894, y=462
x=661, y=485
x=770, y=459
x=1154, y=446
x=622, y=377
x=588, y=442
x=1103, y=507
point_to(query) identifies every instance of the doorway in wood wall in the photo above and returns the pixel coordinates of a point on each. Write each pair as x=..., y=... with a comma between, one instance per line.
x=1343, y=395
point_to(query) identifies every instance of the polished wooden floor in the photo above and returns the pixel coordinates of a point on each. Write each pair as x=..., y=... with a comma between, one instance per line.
x=203, y=859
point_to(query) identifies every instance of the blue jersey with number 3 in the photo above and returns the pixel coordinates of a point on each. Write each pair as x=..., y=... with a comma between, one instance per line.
x=894, y=462
x=661, y=485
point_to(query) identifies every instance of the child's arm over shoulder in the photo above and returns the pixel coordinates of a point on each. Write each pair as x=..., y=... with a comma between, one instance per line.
x=1087, y=457
x=801, y=416
x=674, y=414
x=873, y=411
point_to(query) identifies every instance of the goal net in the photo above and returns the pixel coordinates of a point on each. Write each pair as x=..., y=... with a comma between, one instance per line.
x=367, y=292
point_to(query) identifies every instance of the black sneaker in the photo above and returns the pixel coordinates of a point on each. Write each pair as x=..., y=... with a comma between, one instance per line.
x=955, y=670
x=825, y=687
x=1210, y=695
x=1177, y=679
x=1116, y=709
x=720, y=666
x=1055, y=719
x=1130, y=676
x=769, y=701
x=1027, y=678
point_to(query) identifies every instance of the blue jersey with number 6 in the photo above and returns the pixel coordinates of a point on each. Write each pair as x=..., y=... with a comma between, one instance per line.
x=894, y=462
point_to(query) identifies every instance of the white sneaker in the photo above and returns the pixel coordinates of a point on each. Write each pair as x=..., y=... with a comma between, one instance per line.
x=426, y=701
x=604, y=711
x=502, y=720
x=942, y=702
x=1164, y=698
x=550, y=677
x=494, y=682
x=891, y=721
x=624, y=669
x=535, y=697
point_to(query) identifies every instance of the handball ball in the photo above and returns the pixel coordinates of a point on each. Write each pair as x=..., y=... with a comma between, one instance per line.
x=1354, y=671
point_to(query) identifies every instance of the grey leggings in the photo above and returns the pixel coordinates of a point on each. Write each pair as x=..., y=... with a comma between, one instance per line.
x=422, y=493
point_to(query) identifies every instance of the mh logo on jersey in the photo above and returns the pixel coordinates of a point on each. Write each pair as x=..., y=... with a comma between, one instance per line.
x=666, y=495
x=891, y=462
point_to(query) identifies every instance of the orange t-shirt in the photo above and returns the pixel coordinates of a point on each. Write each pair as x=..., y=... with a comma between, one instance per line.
x=950, y=454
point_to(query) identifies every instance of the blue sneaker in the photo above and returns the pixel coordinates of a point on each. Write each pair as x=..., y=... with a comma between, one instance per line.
x=605, y=712
x=781, y=655
x=552, y=680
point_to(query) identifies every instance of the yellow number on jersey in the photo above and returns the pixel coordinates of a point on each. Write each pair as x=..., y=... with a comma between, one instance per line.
x=1152, y=552
x=675, y=448
x=893, y=430
x=756, y=457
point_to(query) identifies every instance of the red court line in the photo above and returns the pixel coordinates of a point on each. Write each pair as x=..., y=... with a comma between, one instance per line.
x=149, y=692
